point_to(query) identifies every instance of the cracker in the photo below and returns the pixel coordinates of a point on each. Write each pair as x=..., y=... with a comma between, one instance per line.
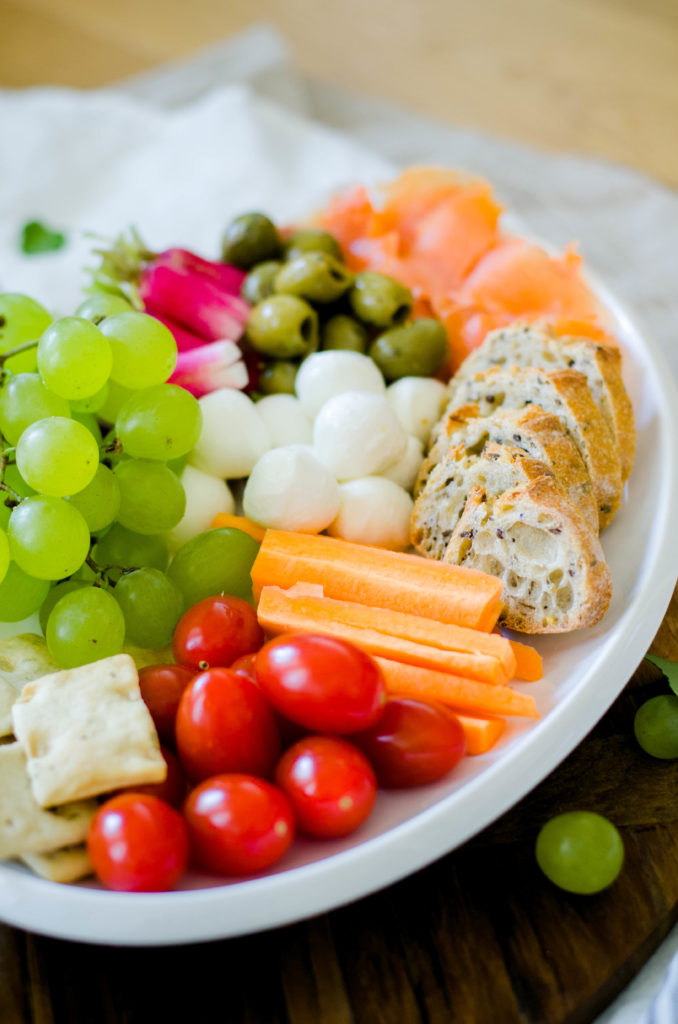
x=68, y=864
x=87, y=731
x=23, y=658
x=25, y=827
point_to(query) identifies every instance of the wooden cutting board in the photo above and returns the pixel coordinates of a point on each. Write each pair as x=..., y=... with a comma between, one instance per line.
x=480, y=937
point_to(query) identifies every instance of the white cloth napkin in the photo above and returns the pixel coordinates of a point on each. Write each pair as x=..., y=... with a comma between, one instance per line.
x=176, y=152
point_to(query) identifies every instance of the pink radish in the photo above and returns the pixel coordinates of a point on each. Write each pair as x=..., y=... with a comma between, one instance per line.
x=213, y=366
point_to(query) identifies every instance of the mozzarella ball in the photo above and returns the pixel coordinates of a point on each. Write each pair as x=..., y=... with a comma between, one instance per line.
x=356, y=434
x=286, y=421
x=233, y=435
x=418, y=402
x=374, y=511
x=326, y=374
x=206, y=495
x=289, y=489
x=404, y=471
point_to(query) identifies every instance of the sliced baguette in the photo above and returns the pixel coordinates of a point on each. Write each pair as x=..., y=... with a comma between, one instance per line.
x=552, y=566
x=566, y=394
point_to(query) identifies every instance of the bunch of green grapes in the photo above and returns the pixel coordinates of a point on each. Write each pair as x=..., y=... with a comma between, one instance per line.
x=91, y=435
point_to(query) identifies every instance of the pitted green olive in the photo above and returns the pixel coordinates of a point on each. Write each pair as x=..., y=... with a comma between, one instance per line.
x=418, y=349
x=277, y=377
x=344, y=332
x=312, y=240
x=315, y=276
x=379, y=300
x=283, y=327
x=258, y=284
x=249, y=239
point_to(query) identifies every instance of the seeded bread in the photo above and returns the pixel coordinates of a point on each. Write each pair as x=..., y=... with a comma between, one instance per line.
x=551, y=564
x=537, y=345
x=538, y=433
x=566, y=394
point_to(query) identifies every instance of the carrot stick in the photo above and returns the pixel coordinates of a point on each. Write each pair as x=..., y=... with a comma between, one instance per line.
x=464, y=694
x=239, y=523
x=466, y=652
x=529, y=665
x=380, y=578
x=481, y=733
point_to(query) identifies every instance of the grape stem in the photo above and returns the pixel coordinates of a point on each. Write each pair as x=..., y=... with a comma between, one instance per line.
x=102, y=572
x=27, y=345
x=112, y=448
x=14, y=499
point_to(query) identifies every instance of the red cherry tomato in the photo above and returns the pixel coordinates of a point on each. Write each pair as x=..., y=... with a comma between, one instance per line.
x=245, y=666
x=412, y=743
x=238, y=824
x=161, y=688
x=173, y=789
x=138, y=843
x=322, y=683
x=331, y=785
x=224, y=724
x=216, y=631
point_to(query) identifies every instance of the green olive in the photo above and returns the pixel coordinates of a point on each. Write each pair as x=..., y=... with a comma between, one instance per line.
x=418, y=349
x=277, y=377
x=258, y=284
x=249, y=239
x=316, y=276
x=345, y=332
x=283, y=327
x=380, y=300
x=312, y=240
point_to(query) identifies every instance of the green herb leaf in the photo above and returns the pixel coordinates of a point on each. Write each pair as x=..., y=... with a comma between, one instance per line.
x=669, y=668
x=36, y=238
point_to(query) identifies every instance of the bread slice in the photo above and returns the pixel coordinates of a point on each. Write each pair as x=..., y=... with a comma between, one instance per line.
x=540, y=434
x=537, y=345
x=437, y=510
x=552, y=566
x=567, y=395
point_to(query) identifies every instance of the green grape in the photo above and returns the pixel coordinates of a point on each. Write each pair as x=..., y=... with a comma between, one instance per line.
x=14, y=480
x=55, y=594
x=178, y=465
x=580, y=851
x=20, y=594
x=84, y=626
x=101, y=305
x=656, y=726
x=144, y=350
x=159, y=423
x=57, y=456
x=22, y=319
x=92, y=403
x=98, y=503
x=152, y=499
x=49, y=539
x=122, y=547
x=24, y=399
x=74, y=358
x=89, y=420
x=4, y=555
x=215, y=562
x=116, y=398
x=151, y=605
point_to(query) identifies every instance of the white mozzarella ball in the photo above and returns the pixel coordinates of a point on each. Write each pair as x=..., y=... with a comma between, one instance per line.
x=374, y=511
x=206, y=495
x=289, y=489
x=326, y=374
x=404, y=472
x=356, y=434
x=286, y=421
x=233, y=435
x=418, y=402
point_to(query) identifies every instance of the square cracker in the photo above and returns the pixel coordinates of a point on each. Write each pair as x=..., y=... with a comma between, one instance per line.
x=87, y=731
x=23, y=658
x=24, y=826
x=65, y=865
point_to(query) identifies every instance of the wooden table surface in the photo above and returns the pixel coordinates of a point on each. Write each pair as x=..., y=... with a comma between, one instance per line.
x=594, y=76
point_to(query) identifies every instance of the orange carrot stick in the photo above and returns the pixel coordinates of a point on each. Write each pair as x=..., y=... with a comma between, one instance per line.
x=279, y=607
x=529, y=666
x=481, y=734
x=239, y=523
x=463, y=694
x=380, y=578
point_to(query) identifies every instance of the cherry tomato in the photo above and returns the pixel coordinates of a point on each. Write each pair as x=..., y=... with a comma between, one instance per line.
x=161, y=688
x=138, y=843
x=412, y=743
x=216, y=631
x=245, y=666
x=173, y=789
x=238, y=824
x=331, y=785
x=224, y=724
x=322, y=683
